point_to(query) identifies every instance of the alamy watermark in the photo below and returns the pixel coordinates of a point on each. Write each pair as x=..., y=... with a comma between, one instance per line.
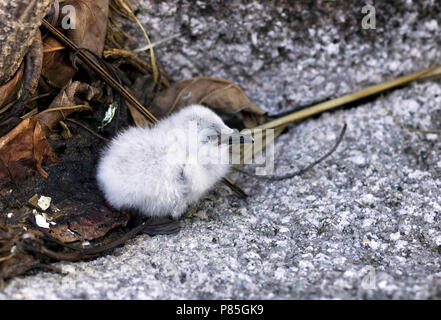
x=369, y=20
x=369, y=281
x=228, y=147
x=69, y=20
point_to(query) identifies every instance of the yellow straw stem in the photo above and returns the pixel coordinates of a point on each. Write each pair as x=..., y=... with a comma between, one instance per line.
x=280, y=124
x=334, y=103
x=152, y=54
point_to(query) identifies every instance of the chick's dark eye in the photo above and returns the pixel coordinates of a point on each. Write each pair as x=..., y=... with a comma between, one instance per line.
x=215, y=128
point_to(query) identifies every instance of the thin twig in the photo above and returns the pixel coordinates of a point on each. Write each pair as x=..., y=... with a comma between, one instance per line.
x=53, y=49
x=88, y=129
x=404, y=126
x=50, y=237
x=157, y=43
x=51, y=268
x=301, y=171
x=40, y=96
x=81, y=253
x=78, y=106
x=137, y=62
x=156, y=89
x=234, y=187
x=7, y=257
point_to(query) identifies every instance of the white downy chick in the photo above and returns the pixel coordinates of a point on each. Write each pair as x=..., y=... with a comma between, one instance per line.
x=161, y=170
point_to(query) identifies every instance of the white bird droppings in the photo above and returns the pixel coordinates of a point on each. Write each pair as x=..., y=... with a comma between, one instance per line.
x=41, y=221
x=44, y=202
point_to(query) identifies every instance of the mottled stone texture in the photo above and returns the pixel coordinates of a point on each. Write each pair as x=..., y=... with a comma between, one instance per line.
x=372, y=208
x=291, y=53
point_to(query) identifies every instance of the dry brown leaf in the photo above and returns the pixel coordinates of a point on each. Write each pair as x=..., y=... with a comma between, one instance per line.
x=85, y=221
x=218, y=94
x=42, y=149
x=251, y=120
x=16, y=265
x=31, y=74
x=8, y=91
x=89, y=33
x=66, y=98
x=140, y=64
x=138, y=118
x=57, y=69
x=91, y=24
x=34, y=62
x=24, y=149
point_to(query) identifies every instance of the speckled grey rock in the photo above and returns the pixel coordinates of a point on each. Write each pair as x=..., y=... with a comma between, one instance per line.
x=365, y=223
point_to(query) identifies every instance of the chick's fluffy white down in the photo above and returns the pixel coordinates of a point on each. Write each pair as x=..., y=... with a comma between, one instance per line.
x=148, y=168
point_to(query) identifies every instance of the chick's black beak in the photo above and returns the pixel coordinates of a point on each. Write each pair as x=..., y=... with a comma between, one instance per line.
x=236, y=138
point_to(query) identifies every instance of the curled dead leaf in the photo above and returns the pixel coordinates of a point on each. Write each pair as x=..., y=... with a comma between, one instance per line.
x=24, y=149
x=31, y=74
x=139, y=119
x=218, y=94
x=9, y=90
x=34, y=61
x=57, y=69
x=67, y=98
x=18, y=264
x=90, y=25
x=85, y=221
x=89, y=32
